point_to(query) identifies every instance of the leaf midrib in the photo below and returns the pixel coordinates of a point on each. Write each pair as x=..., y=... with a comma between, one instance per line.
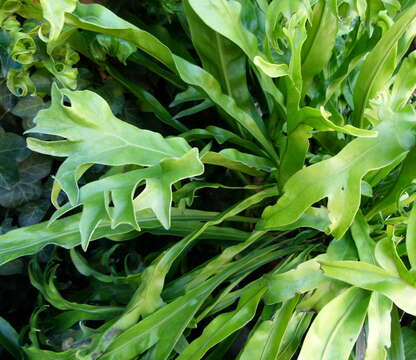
x=242, y=309
x=350, y=164
x=316, y=33
x=102, y=225
x=220, y=48
x=338, y=325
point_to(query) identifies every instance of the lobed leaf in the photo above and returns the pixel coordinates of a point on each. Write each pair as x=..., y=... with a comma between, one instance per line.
x=97, y=18
x=339, y=178
x=283, y=286
x=90, y=139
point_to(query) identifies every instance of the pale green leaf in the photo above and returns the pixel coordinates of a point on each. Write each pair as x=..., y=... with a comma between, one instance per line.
x=405, y=82
x=336, y=328
x=365, y=245
x=19, y=83
x=388, y=258
x=283, y=286
x=236, y=160
x=222, y=59
x=22, y=48
x=98, y=18
x=54, y=13
x=294, y=334
x=379, y=325
x=175, y=316
x=282, y=8
x=212, y=12
x=225, y=324
x=147, y=298
x=396, y=350
x=271, y=70
x=379, y=64
x=266, y=341
x=90, y=139
x=339, y=178
x=411, y=237
x=403, y=180
x=371, y=277
x=319, y=119
x=321, y=36
x=65, y=232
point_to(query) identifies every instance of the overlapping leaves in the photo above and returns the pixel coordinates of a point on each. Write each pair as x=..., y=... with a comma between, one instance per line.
x=283, y=87
x=339, y=178
x=107, y=140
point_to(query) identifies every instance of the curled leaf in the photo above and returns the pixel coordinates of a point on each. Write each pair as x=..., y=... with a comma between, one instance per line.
x=20, y=83
x=272, y=70
x=22, y=48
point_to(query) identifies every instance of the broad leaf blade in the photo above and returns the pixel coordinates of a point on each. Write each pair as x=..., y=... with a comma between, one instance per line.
x=371, y=277
x=336, y=328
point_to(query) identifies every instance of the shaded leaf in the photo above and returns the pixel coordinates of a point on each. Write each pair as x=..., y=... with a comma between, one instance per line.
x=409, y=339
x=9, y=339
x=12, y=150
x=28, y=107
x=28, y=187
x=380, y=64
x=33, y=212
x=116, y=47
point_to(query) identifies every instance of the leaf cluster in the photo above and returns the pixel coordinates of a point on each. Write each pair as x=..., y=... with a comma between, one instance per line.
x=223, y=179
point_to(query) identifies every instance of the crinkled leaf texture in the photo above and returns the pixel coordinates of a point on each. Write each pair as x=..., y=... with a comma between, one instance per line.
x=339, y=177
x=94, y=135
